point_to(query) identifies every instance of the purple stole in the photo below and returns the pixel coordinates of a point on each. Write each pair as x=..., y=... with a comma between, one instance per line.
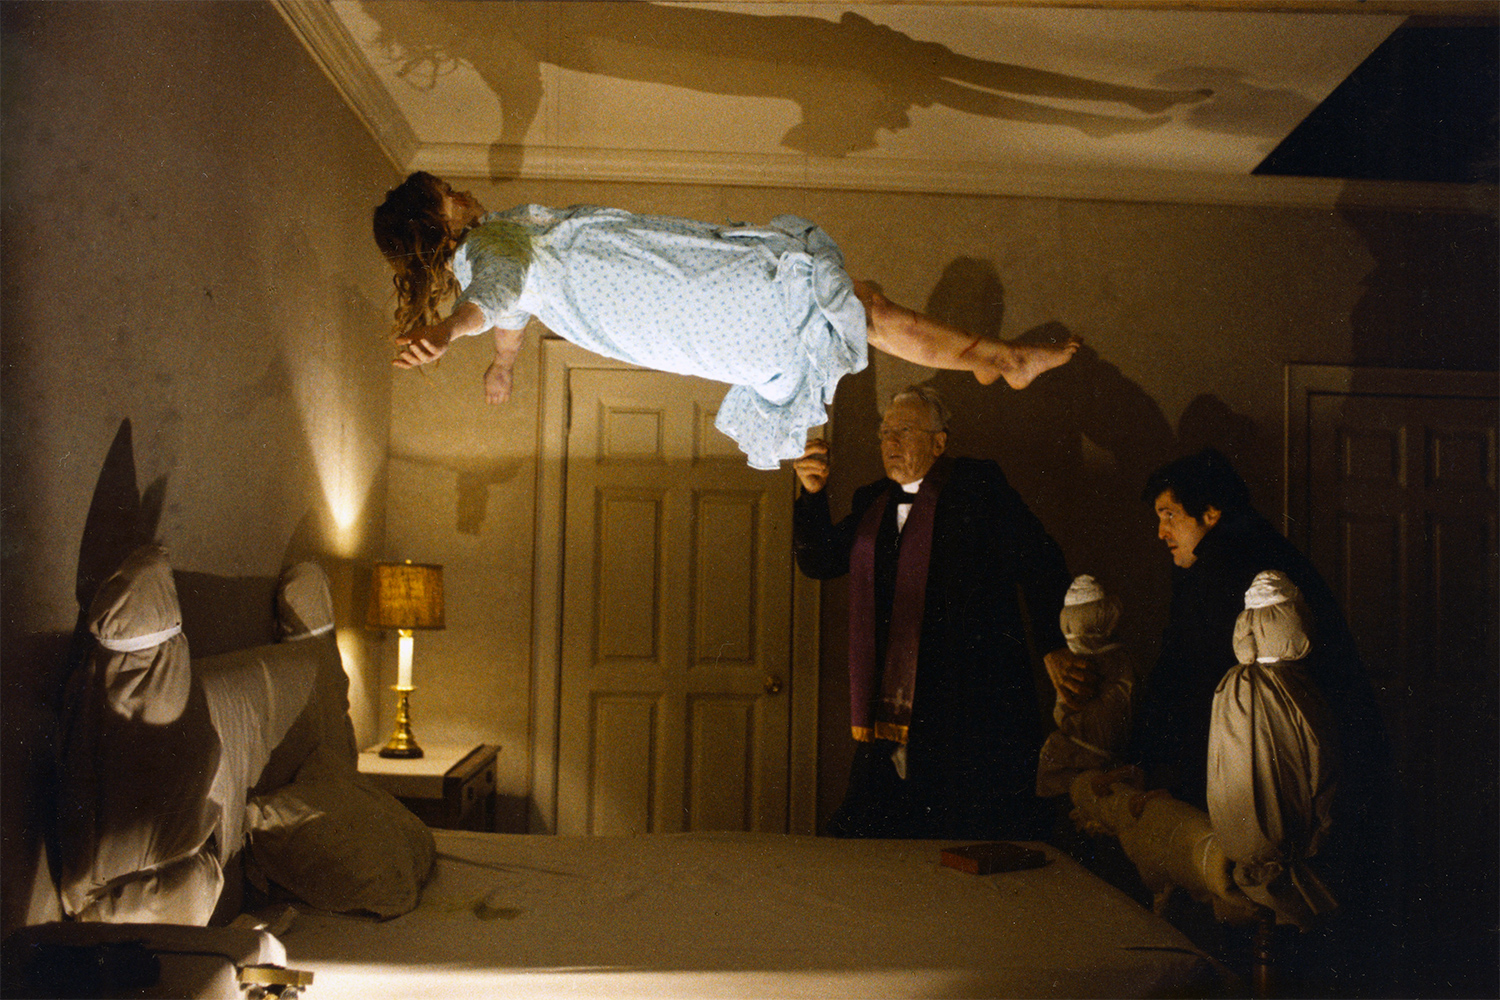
x=886, y=714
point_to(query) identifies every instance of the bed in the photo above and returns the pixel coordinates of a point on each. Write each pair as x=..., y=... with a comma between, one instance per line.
x=745, y=915
x=386, y=907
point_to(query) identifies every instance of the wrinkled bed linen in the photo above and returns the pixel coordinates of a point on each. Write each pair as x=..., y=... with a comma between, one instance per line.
x=253, y=696
x=745, y=915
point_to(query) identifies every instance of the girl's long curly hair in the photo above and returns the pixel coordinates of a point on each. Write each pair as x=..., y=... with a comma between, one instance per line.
x=413, y=236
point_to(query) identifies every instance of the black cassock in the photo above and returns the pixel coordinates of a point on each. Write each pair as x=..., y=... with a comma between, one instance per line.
x=976, y=722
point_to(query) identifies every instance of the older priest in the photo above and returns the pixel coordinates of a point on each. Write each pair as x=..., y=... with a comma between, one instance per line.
x=942, y=700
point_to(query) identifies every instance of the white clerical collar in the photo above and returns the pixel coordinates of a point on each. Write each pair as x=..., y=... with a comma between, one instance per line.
x=903, y=510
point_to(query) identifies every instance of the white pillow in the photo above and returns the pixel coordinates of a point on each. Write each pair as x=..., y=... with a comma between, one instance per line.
x=340, y=844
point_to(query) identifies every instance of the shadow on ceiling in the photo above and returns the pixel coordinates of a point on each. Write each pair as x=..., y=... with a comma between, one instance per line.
x=851, y=78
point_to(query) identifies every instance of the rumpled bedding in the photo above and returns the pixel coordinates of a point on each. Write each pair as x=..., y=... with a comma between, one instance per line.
x=167, y=766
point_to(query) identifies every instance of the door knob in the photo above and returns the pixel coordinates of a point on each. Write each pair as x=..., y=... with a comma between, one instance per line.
x=773, y=684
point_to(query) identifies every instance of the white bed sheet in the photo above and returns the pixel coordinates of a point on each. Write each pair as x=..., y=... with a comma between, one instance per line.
x=745, y=915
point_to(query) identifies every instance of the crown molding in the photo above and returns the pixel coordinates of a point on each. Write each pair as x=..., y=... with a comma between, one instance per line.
x=338, y=55
x=1483, y=11
x=860, y=173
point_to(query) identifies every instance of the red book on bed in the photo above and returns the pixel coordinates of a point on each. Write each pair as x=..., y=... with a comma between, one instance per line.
x=998, y=856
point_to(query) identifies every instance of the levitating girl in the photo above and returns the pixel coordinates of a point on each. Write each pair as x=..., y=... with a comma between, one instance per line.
x=768, y=309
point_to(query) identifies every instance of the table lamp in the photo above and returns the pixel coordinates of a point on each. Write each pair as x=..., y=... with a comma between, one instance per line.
x=405, y=596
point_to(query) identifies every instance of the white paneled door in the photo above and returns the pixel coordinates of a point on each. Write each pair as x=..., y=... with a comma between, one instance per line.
x=676, y=615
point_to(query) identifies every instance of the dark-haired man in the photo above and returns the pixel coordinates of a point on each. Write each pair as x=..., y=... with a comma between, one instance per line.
x=1218, y=543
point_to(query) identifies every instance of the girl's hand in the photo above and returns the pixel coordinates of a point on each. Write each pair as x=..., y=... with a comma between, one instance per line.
x=497, y=382
x=427, y=343
x=423, y=345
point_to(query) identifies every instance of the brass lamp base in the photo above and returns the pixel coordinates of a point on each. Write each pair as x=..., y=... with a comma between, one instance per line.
x=402, y=743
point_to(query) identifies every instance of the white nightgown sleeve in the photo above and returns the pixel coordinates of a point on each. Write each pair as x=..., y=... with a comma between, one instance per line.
x=491, y=267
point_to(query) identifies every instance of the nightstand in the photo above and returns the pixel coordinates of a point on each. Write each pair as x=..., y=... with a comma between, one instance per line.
x=448, y=787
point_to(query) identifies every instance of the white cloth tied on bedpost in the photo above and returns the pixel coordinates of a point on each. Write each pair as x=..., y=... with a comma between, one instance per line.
x=304, y=604
x=1092, y=736
x=137, y=755
x=1089, y=617
x=136, y=619
x=1272, y=762
x=304, y=612
x=140, y=642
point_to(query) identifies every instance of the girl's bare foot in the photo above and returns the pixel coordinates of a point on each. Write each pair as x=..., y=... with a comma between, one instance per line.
x=1020, y=363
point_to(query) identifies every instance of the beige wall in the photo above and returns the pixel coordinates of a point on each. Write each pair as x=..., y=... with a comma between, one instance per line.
x=187, y=249
x=1188, y=314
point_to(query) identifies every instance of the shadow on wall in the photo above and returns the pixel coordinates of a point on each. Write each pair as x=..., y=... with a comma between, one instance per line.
x=1208, y=422
x=851, y=78
x=1433, y=297
x=1432, y=302
x=473, y=479
x=120, y=518
x=220, y=614
x=1240, y=106
x=1077, y=444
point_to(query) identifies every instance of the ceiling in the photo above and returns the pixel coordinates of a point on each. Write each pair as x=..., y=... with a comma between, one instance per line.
x=1154, y=101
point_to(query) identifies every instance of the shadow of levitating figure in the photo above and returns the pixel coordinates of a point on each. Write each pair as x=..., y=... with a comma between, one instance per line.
x=1078, y=444
x=851, y=77
x=473, y=479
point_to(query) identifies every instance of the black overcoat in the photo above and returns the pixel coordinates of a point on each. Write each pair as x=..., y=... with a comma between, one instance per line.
x=1171, y=734
x=1170, y=739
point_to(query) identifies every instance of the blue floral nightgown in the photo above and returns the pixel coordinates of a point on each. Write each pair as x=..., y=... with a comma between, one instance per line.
x=769, y=310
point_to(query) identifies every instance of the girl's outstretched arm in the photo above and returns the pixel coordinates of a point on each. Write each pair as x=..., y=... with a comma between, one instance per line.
x=427, y=343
